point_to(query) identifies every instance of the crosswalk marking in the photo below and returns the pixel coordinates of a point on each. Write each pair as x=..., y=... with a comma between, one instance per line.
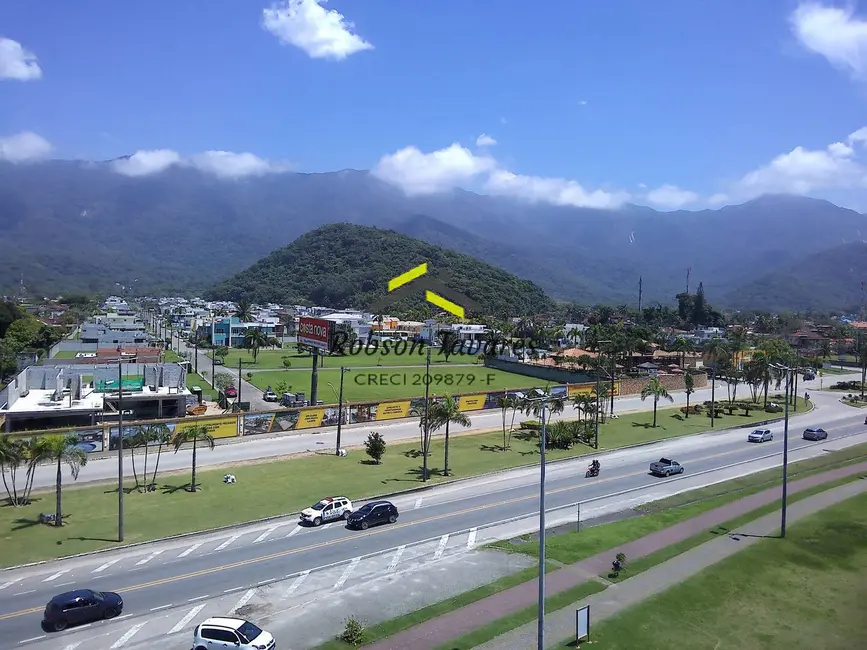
x=148, y=558
x=396, y=557
x=294, y=531
x=227, y=542
x=264, y=535
x=9, y=584
x=417, y=503
x=347, y=572
x=54, y=577
x=181, y=624
x=73, y=646
x=243, y=601
x=130, y=633
x=471, y=540
x=297, y=583
x=328, y=525
x=190, y=550
x=103, y=567
x=442, y=547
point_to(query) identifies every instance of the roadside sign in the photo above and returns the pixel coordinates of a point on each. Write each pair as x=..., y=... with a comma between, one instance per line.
x=582, y=624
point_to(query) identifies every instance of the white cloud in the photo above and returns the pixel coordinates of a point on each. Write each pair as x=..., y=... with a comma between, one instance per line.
x=718, y=199
x=144, y=163
x=485, y=140
x=306, y=24
x=835, y=33
x=24, y=147
x=16, y=62
x=583, y=102
x=419, y=173
x=671, y=196
x=556, y=191
x=223, y=164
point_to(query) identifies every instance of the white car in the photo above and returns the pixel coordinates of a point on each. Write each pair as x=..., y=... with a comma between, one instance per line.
x=330, y=509
x=270, y=396
x=237, y=633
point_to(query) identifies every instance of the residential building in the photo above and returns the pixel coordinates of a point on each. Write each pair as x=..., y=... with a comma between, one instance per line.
x=231, y=332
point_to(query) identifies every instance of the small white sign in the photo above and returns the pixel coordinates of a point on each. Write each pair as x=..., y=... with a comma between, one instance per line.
x=582, y=624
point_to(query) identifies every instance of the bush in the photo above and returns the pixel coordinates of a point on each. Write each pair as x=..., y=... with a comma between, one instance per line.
x=559, y=435
x=694, y=409
x=773, y=408
x=353, y=632
x=374, y=446
x=531, y=424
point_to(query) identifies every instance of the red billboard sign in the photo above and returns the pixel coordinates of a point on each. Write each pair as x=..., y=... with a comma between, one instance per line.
x=315, y=332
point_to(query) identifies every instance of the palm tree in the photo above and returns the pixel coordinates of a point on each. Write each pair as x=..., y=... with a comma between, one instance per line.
x=244, y=311
x=254, y=338
x=12, y=456
x=682, y=346
x=161, y=434
x=715, y=350
x=194, y=434
x=64, y=450
x=36, y=450
x=504, y=403
x=689, y=385
x=656, y=390
x=445, y=413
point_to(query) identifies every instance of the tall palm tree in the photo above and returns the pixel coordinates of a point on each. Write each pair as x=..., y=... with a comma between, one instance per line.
x=36, y=450
x=162, y=435
x=504, y=403
x=244, y=311
x=63, y=449
x=656, y=390
x=445, y=413
x=682, y=345
x=194, y=434
x=12, y=457
x=254, y=338
x=689, y=385
x=715, y=350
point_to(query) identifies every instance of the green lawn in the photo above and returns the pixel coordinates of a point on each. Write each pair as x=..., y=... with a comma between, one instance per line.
x=207, y=390
x=273, y=359
x=66, y=354
x=806, y=591
x=170, y=356
x=396, y=383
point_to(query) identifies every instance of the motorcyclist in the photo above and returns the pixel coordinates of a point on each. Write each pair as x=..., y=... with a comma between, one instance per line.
x=595, y=466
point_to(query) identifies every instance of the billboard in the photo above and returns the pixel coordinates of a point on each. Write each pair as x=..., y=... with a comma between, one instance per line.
x=472, y=402
x=392, y=410
x=218, y=427
x=315, y=332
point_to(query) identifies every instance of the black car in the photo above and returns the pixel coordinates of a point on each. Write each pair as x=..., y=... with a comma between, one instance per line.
x=373, y=513
x=815, y=434
x=81, y=606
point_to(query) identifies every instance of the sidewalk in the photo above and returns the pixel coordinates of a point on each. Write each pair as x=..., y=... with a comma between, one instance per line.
x=438, y=631
x=560, y=625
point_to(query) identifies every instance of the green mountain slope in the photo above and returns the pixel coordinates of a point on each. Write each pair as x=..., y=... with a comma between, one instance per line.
x=348, y=266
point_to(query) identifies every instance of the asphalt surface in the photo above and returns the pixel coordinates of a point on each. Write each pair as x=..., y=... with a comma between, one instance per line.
x=176, y=574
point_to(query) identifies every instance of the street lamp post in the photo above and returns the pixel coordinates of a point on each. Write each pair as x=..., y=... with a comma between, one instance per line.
x=426, y=426
x=785, y=499
x=343, y=371
x=119, y=452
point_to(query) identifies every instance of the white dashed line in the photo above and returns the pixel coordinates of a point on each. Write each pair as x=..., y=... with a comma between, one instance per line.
x=130, y=633
x=347, y=572
x=396, y=557
x=192, y=600
x=54, y=577
x=418, y=503
x=471, y=540
x=243, y=601
x=156, y=609
x=181, y=624
x=264, y=536
x=442, y=547
x=23, y=593
x=227, y=542
x=148, y=558
x=294, y=531
x=229, y=591
x=73, y=646
x=301, y=578
x=190, y=550
x=9, y=584
x=103, y=567
x=35, y=638
x=328, y=525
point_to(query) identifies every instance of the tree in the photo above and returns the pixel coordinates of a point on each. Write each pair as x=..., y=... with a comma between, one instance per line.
x=682, y=345
x=254, y=339
x=244, y=311
x=162, y=435
x=63, y=449
x=374, y=446
x=447, y=339
x=445, y=413
x=194, y=434
x=220, y=352
x=504, y=403
x=223, y=380
x=12, y=457
x=715, y=350
x=699, y=307
x=689, y=384
x=656, y=390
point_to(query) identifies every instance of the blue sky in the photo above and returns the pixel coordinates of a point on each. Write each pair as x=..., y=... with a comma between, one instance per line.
x=590, y=102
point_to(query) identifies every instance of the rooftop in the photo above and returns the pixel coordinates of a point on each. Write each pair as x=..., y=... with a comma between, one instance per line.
x=39, y=400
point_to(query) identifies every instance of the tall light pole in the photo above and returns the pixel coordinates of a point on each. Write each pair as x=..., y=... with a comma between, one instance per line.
x=785, y=499
x=343, y=371
x=426, y=423
x=119, y=452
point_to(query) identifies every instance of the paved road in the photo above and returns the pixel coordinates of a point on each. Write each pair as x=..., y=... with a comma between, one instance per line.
x=172, y=577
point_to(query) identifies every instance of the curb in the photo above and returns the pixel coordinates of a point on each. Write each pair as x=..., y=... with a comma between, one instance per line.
x=421, y=488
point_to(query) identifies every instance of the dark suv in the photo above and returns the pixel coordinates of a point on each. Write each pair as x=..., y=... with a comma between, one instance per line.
x=80, y=606
x=815, y=434
x=373, y=513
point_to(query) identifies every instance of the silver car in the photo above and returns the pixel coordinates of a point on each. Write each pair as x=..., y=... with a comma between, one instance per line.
x=760, y=435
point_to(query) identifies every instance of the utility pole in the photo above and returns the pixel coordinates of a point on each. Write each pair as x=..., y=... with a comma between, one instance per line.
x=343, y=370
x=426, y=427
x=640, y=289
x=119, y=451
x=238, y=399
x=196, y=355
x=785, y=459
x=541, y=605
x=596, y=408
x=688, y=271
x=314, y=378
x=712, y=393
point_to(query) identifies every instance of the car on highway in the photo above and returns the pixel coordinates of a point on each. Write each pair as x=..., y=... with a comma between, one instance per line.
x=218, y=362
x=80, y=607
x=666, y=467
x=270, y=396
x=225, y=632
x=760, y=435
x=372, y=514
x=231, y=391
x=815, y=434
x=330, y=509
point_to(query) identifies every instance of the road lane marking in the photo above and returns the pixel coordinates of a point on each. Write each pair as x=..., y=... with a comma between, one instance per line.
x=243, y=601
x=347, y=572
x=471, y=540
x=10, y=583
x=294, y=531
x=148, y=558
x=396, y=558
x=192, y=600
x=442, y=547
x=418, y=503
x=23, y=593
x=227, y=542
x=73, y=646
x=130, y=633
x=328, y=525
x=189, y=616
x=387, y=529
x=156, y=609
x=103, y=567
x=264, y=536
x=191, y=549
x=33, y=638
x=300, y=579
x=55, y=576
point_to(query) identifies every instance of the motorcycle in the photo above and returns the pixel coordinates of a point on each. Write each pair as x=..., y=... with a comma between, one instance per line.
x=592, y=472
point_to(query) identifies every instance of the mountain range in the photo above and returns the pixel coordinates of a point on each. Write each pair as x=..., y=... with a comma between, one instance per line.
x=80, y=226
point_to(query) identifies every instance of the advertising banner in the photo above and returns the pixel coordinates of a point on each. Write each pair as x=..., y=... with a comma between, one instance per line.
x=152, y=433
x=258, y=423
x=315, y=332
x=581, y=389
x=393, y=410
x=89, y=440
x=218, y=427
x=310, y=418
x=472, y=402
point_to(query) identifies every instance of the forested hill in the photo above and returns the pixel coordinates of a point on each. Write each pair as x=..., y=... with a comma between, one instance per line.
x=347, y=266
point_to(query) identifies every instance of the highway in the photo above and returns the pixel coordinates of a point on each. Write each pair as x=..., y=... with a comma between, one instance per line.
x=170, y=578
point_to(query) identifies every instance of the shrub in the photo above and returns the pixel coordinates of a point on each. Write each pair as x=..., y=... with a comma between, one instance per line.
x=694, y=409
x=353, y=632
x=531, y=424
x=374, y=446
x=560, y=435
x=773, y=408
